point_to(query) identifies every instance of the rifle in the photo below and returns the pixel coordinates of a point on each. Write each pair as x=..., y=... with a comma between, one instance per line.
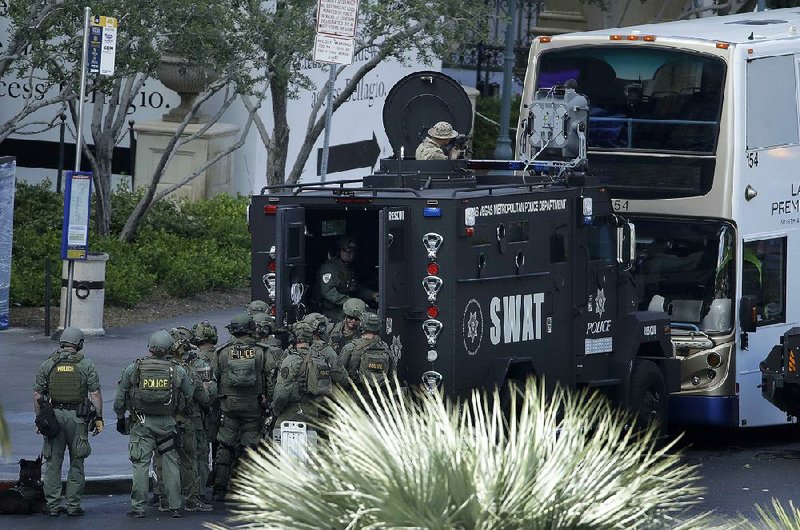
x=459, y=143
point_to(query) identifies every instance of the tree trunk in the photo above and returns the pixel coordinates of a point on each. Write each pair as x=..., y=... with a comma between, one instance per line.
x=103, y=155
x=277, y=155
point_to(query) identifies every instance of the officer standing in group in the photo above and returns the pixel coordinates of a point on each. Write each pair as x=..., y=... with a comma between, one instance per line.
x=265, y=327
x=188, y=420
x=70, y=382
x=244, y=369
x=346, y=330
x=204, y=338
x=367, y=359
x=336, y=281
x=307, y=375
x=150, y=389
x=432, y=147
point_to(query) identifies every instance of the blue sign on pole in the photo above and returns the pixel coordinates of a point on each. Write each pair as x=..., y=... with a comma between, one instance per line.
x=77, y=201
x=95, y=47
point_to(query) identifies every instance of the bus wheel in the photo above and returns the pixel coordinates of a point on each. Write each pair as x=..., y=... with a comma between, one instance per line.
x=648, y=395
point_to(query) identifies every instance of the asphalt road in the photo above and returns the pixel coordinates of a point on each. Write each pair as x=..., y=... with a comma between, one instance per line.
x=103, y=512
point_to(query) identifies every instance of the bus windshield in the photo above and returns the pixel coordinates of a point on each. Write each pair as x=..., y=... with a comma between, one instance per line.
x=642, y=98
x=686, y=269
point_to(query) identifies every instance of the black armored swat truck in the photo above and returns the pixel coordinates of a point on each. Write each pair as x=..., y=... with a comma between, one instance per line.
x=780, y=373
x=486, y=272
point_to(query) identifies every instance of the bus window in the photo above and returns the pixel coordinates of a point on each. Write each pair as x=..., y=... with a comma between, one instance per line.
x=770, y=124
x=643, y=98
x=764, y=276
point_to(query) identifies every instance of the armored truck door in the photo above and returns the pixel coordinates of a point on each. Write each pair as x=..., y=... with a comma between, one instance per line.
x=601, y=300
x=393, y=268
x=290, y=264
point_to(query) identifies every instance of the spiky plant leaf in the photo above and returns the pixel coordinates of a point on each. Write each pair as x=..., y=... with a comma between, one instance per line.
x=561, y=460
x=779, y=518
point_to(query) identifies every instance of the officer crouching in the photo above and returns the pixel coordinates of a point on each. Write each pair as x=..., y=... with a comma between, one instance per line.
x=150, y=388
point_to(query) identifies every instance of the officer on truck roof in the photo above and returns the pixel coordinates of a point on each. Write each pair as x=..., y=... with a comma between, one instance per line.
x=336, y=281
x=432, y=147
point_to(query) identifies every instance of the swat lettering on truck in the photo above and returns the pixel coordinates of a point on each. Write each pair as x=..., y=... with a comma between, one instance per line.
x=484, y=277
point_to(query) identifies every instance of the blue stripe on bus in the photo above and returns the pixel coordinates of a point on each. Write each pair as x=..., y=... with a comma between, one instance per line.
x=720, y=411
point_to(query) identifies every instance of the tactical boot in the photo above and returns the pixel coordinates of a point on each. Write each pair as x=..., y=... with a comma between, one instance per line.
x=154, y=500
x=77, y=512
x=176, y=514
x=135, y=514
x=163, y=505
x=219, y=495
x=195, y=505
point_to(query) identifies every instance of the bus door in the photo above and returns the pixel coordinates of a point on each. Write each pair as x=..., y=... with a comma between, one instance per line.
x=393, y=268
x=290, y=267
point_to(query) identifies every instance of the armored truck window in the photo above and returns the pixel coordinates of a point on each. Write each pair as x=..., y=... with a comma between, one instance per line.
x=601, y=240
x=764, y=276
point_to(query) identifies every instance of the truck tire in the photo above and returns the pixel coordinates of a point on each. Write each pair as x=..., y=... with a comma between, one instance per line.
x=648, y=395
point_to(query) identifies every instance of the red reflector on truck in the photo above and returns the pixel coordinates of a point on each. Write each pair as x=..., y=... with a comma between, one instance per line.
x=270, y=209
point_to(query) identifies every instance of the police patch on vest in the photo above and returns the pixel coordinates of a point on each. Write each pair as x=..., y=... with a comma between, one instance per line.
x=154, y=382
x=65, y=368
x=324, y=373
x=326, y=277
x=375, y=366
x=243, y=353
x=285, y=372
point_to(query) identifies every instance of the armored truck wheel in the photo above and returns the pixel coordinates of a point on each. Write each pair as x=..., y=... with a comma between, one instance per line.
x=648, y=395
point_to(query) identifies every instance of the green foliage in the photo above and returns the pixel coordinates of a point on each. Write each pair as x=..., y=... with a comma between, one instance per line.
x=568, y=461
x=486, y=132
x=184, y=247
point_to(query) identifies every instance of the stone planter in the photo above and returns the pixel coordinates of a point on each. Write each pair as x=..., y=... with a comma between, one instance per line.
x=188, y=80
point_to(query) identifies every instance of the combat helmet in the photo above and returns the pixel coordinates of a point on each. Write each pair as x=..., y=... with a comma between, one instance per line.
x=346, y=243
x=72, y=337
x=160, y=342
x=181, y=337
x=204, y=332
x=257, y=306
x=353, y=307
x=318, y=322
x=241, y=324
x=265, y=324
x=303, y=331
x=370, y=322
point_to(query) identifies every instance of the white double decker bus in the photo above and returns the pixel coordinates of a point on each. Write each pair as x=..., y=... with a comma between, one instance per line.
x=695, y=128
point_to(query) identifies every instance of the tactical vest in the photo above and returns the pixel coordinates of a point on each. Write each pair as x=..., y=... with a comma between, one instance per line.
x=155, y=386
x=241, y=366
x=65, y=384
x=315, y=374
x=373, y=367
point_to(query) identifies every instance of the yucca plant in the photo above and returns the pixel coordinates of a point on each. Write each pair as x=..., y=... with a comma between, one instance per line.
x=559, y=461
x=777, y=519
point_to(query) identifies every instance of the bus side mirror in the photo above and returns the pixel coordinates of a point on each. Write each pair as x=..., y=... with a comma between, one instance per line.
x=747, y=313
x=626, y=244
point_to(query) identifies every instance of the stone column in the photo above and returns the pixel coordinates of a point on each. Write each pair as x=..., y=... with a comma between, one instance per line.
x=151, y=140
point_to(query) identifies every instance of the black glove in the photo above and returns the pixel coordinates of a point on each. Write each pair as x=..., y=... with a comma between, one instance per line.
x=121, y=425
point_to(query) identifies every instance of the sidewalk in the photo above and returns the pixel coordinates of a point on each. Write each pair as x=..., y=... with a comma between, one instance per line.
x=22, y=350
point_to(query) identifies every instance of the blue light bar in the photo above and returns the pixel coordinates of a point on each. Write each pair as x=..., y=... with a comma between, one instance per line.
x=432, y=212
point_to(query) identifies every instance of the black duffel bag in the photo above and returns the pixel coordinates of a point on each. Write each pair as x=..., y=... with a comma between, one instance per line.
x=46, y=420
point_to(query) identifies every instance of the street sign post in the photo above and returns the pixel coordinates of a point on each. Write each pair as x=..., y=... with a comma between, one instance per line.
x=334, y=44
x=99, y=48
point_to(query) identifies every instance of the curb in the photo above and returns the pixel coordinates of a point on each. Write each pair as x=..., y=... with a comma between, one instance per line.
x=107, y=485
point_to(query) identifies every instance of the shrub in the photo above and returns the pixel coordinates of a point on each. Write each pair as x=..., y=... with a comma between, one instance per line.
x=185, y=247
x=484, y=137
x=389, y=462
x=777, y=519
